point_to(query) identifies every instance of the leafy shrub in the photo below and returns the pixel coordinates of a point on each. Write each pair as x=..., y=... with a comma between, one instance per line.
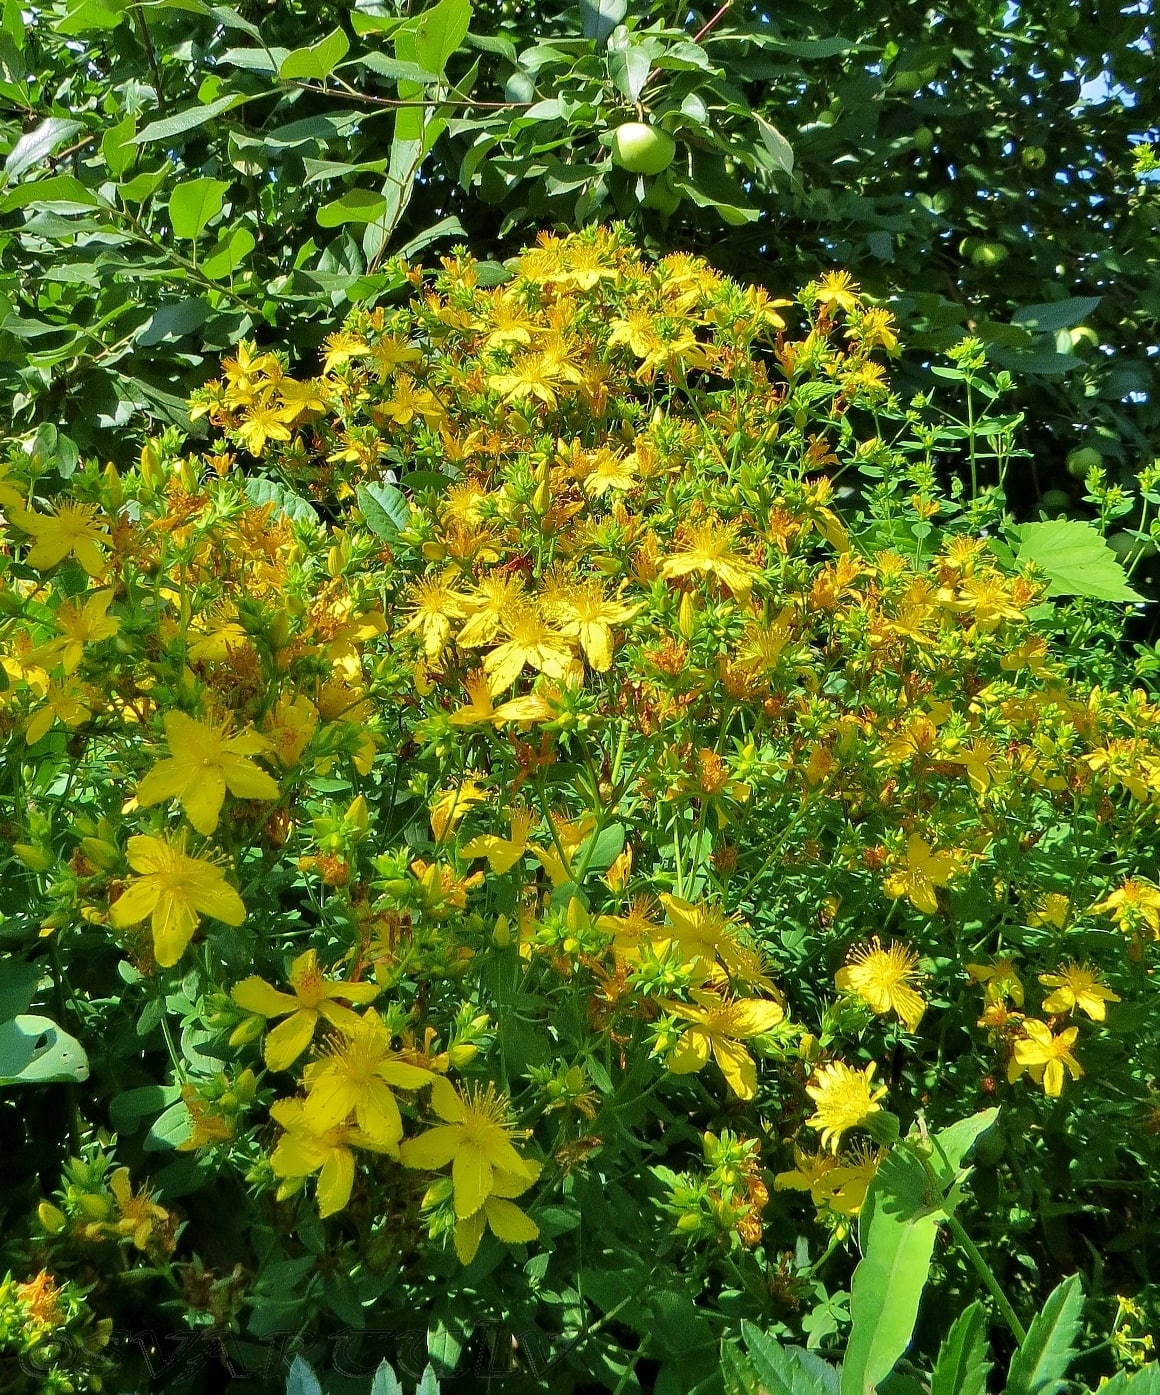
x=513, y=831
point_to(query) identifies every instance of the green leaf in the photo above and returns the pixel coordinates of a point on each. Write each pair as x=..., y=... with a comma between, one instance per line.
x=355, y=206
x=194, y=203
x=127, y=1109
x=886, y=1288
x=1039, y=1365
x=961, y=1368
x=1059, y=314
x=117, y=149
x=18, y=983
x=385, y=1381
x=38, y=144
x=957, y=1139
x=189, y=119
x=439, y=32
x=316, y=61
x=780, y=150
x=302, y=1380
x=598, y=18
x=787, y=1370
x=385, y=509
x=260, y=490
x=1075, y=559
x=34, y=1050
x=83, y=15
x=63, y=193
x=233, y=247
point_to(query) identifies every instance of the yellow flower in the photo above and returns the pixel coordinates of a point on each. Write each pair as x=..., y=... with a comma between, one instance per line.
x=204, y=762
x=69, y=529
x=503, y=853
x=706, y=548
x=1054, y=909
x=586, y=613
x=435, y=603
x=1001, y=979
x=844, y=1099
x=264, y=422
x=839, y=290
x=925, y=870
x=450, y=805
x=701, y=930
x=355, y=1077
x=1077, y=986
x=476, y=1139
x=720, y=1025
x=302, y=1150
x=882, y=979
x=80, y=624
x=1134, y=903
x=138, y=1214
x=313, y=998
x=501, y=1216
x=531, y=643
x=1045, y=1056
x=175, y=890
x=67, y=703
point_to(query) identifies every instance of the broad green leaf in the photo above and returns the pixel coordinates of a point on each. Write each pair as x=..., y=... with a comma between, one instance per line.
x=171, y=1127
x=194, y=203
x=439, y=32
x=144, y=185
x=18, y=981
x=34, y=1050
x=260, y=490
x=127, y=1109
x=233, y=247
x=189, y=119
x=1075, y=559
x=316, y=61
x=957, y=1139
x=385, y=509
x=1059, y=314
x=598, y=18
x=117, y=148
x=355, y=206
x=886, y=1288
x=1040, y=1364
x=39, y=144
x=63, y=193
x=80, y=16
x=961, y=1368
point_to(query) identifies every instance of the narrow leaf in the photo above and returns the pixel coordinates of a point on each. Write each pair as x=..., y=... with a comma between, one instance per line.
x=1041, y=1362
x=39, y=144
x=188, y=120
x=961, y=1368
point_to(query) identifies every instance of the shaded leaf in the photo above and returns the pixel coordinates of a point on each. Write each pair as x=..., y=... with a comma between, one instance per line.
x=1041, y=1362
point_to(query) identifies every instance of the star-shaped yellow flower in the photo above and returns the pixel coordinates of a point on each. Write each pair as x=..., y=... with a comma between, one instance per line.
x=205, y=761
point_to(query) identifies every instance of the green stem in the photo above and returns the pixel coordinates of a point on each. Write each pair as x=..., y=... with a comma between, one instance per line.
x=986, y=1273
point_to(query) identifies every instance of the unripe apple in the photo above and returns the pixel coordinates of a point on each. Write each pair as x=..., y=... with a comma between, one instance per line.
x=662, y=196
x=1054, y=500
x=1083, y=334
x=1034, y=157
x=969, y=246
x=923, y=140
x=1080, y=461
x=989, y=254
x=642, y=149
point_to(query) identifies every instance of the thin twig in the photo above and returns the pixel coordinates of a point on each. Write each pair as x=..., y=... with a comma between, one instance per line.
x=401, y=102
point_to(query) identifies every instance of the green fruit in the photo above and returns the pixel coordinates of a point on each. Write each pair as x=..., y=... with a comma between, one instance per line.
x=1054, y=500
x=989, y=254
x=923, y=139
x=662, y=196
x=642, y=149
x=969, y=246
x=1080, y=461
x=1034, y=157
x=1083, y=334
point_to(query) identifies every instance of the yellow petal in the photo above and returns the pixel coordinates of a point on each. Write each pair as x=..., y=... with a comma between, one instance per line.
x=509, y=1223
x=289, y=1040
x=431, y=1150
x=471, y=1174
x=754, y=1016
x=174, y=922
x=220, y=901
x=468, y=1234
x=165, y=781
x=247, y=780
x=256, y=995
x=134, y=904
x=335, y=1181
x=691, y=1053
x=202, y=800
x=736, y=1066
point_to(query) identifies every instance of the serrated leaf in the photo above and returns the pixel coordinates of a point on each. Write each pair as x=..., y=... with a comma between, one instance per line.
x=961, y=1368
x=314, y=62
x=1075, y=559
x=787, y=1370
x=1039, y=1365
x=302, y=1380
x=385, y=1381
x=193, y=203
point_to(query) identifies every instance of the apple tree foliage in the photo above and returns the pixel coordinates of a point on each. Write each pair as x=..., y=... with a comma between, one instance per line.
x=178, y=174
